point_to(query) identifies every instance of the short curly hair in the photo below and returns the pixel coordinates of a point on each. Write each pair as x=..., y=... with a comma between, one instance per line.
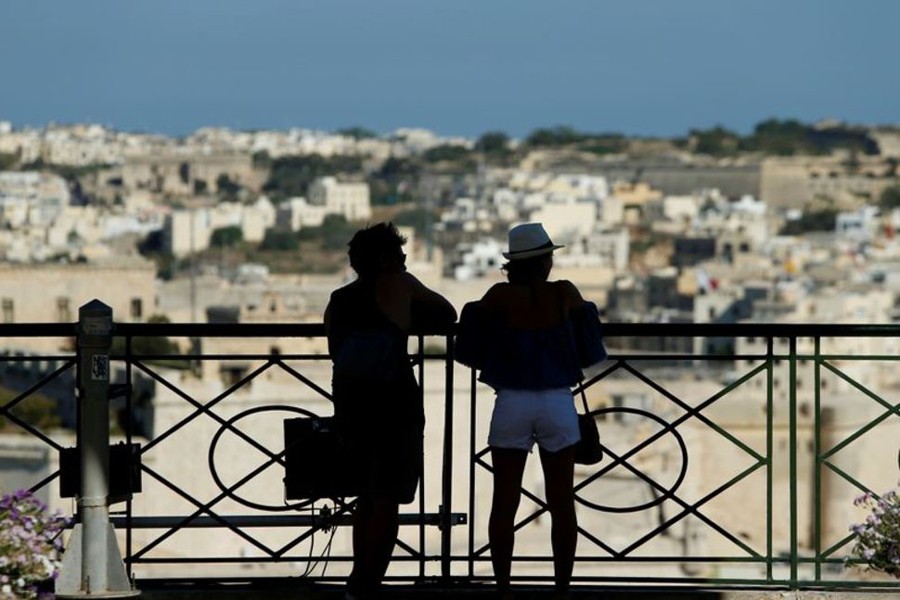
x=368, y=246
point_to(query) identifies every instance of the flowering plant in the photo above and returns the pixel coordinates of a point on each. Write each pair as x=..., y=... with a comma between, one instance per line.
x=878, y=538
x=30, y=545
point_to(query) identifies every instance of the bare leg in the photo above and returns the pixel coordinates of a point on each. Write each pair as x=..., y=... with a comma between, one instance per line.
x=559, y=474
x=375, y=527
x=509, y=465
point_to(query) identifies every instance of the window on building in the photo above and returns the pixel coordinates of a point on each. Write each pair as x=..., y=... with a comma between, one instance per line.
x=137, y=308
x=63, y=310
x=618, y=402
x=232, y=374
x=9, y=314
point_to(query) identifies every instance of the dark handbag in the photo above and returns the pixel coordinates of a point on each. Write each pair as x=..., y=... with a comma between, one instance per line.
x=316, y=462
x=588, y=450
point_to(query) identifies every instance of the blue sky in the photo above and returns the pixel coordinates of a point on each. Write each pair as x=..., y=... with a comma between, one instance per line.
x=640, y=67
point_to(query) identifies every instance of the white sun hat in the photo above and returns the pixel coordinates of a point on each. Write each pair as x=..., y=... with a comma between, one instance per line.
x=528, y=240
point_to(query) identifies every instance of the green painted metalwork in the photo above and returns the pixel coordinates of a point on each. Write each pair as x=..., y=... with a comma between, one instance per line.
x=799, y=348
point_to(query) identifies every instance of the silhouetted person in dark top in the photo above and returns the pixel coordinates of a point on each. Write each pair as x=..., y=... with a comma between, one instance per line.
x=377, y=401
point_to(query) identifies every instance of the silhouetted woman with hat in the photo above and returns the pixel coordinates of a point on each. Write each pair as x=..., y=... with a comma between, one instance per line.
x=531, y=338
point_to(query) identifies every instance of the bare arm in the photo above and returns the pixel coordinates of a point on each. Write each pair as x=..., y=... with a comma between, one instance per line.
x=430, y=310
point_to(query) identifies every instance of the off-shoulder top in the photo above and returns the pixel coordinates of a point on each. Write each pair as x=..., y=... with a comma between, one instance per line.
x=531, y=359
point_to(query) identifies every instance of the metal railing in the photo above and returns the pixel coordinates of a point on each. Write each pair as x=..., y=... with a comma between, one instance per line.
x=757, y=501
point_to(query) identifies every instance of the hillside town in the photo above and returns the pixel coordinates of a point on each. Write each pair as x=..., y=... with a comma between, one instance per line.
x=226, y=226
x=656, y=231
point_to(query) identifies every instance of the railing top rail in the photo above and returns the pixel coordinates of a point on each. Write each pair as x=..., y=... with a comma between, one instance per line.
x=776, y=330
x=9, y=330
x=609, y=329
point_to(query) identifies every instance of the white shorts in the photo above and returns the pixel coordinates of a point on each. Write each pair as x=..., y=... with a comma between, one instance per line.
x=523, y=417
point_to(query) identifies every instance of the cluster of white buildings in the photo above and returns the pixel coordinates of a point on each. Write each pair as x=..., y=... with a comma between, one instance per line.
x=295, y=141
x=38, y=222
x=76, y=145
x=93, y=144
x=190, y=230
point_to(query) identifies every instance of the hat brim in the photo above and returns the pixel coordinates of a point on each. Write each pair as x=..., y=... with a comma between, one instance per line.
x=531, y=253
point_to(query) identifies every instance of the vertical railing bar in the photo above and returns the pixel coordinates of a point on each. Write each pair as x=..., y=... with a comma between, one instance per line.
x=770, y=445
x=792, y=453
x=447, y=484
x=421, y=368
x=817, y=453
x=129, y=407
x=472, y=465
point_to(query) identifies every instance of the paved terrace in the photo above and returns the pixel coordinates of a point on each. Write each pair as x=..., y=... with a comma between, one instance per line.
x=287, y=590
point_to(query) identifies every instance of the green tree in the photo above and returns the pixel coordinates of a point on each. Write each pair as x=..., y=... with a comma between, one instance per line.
x=391, y=183
x=395, y=167
x=200, y=187
x=278, y=240
x=386, y=193
x=165, y=350
x=226, y=237
x=790, y=136
x=8, y=161
x=606, y=143
x=815, y=220
x=446, y=152
x=37, y=410
x=890, y=198
x=779, y=137
x=261, y=159
x=493, y=142
x=37, y=164
x=494, y=146
x=420, y=219
x=291, y=175
x=227, y=187
x=333, y=234
x=560, y=135
x=717, y=141
x=357, y=132
x=336, y=232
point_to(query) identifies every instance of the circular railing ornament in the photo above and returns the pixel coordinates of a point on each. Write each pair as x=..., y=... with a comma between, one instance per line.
x=664, y=495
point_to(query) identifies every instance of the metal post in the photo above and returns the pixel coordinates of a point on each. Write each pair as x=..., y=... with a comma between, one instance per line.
x=792, y=446
x=447, y=480
x=92, y=564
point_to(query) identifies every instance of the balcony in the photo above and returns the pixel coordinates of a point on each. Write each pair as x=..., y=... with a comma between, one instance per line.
x=733, y=454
